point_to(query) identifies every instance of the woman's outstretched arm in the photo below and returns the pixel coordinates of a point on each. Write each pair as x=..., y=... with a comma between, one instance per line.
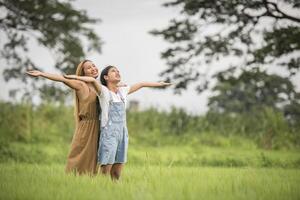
x=87, y=79
x=74, y=84
x=138, y=86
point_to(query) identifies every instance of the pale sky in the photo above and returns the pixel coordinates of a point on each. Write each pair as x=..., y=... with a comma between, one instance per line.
x=128, y=46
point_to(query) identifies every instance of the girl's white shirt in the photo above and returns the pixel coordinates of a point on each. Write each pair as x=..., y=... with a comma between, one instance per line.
x=104, y=98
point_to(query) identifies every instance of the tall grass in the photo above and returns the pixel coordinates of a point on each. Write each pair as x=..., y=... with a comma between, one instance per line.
x=42, y=134
x=23, y=122
x=44, y=123
x=149, y=182
x=172, y=155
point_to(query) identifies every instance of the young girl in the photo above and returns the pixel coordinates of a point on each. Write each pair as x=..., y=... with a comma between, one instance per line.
x=113, y=142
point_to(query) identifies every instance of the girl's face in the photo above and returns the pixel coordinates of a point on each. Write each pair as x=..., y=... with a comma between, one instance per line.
x=113, y=75
x=90, y=69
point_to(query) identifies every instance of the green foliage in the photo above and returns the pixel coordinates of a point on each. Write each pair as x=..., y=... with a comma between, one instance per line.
x=176, y=122
x=254, y=32
x=42, y=134
x=50, y=93
x=45, y=123
x=253, y=90
x=34, y=152
x=54, y=24
x=48, y=122
x=16, y=121
x=280, y=41
x=268, y=127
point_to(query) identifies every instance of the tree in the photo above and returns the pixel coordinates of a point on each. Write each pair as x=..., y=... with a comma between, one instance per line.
x=253, y=90
x=54, y=24
x=257, y=32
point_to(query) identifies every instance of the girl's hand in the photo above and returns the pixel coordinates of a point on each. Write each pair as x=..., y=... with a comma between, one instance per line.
x=34, y=73
x=138, y=86
x=70, y=76
x=164, y=84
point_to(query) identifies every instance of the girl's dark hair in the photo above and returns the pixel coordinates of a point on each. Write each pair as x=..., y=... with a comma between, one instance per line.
x=105, y=73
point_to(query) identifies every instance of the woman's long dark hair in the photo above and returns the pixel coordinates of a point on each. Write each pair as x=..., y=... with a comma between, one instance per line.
x=105, y=73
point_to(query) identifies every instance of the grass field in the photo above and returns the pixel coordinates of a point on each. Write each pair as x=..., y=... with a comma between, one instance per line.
x=198, y=155
x=164, y=172
x=171, y=156
x=28, y=181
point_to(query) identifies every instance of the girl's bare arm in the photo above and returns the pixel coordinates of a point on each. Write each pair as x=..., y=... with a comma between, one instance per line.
x=87, y=79
x=138, y=86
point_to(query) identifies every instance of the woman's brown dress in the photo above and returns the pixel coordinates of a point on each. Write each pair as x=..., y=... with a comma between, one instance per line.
x=82, y=158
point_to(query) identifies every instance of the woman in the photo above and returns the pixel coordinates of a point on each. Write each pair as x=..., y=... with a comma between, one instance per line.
x=82, y=158
x=113, y=142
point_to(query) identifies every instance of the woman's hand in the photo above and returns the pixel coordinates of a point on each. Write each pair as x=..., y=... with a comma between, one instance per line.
x=71, y=76
x=73, y=84
x=34, y=73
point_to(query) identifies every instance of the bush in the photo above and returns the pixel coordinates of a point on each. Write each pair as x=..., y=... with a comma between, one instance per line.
x=51, y=123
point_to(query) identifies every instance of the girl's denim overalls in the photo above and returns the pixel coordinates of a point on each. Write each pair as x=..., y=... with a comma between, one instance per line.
x=113, y=142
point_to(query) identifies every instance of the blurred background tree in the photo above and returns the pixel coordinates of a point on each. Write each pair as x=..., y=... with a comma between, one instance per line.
x=260, y=34
x=258, y=31
x=54, y=24
x=252, y=91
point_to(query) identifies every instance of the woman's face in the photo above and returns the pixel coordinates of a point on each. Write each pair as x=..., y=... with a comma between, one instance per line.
x=113, y=75
x=90, y=69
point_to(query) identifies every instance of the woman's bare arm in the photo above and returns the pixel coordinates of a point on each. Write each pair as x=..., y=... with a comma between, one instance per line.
x=138, y=86
x=74, y=84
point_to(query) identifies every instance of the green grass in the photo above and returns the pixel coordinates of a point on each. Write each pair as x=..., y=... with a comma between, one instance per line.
x=212, y=156
x=196, y=154
x=27, y=181
x=171, y=156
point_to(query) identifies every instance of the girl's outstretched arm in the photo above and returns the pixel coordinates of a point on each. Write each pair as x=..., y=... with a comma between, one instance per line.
x=87, y=79
x=138, y=86
x=76, y=85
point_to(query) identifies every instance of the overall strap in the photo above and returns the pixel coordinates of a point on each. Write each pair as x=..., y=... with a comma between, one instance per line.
x=110, y=97
x=119, y=94
x=111, y=101
x=122, y=98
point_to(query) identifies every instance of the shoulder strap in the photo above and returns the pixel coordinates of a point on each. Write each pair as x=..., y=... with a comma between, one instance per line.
x=121, y=96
